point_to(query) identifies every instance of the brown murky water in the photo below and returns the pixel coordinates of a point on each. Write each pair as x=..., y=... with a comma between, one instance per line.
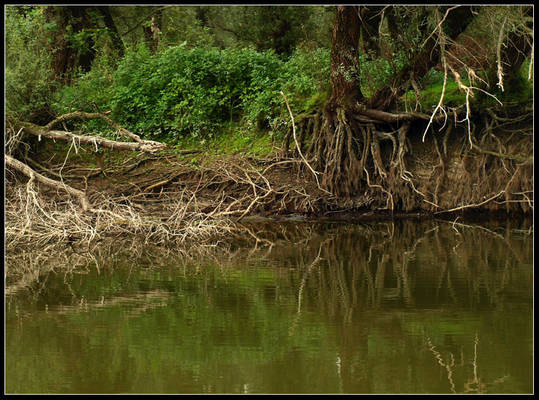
x=402, y=307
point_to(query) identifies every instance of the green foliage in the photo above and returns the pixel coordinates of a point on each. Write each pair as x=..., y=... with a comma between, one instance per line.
x=236, y=140
x=182, y=92
x=519, y=89
x=191, y=89
x=375, y=72
x=28, y=69
x=270, y=27
x=281, y=28
x=431, y=88
x=90, y=92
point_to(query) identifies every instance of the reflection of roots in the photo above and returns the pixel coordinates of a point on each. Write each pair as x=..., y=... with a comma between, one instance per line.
x=444, y=364
x=473, y=384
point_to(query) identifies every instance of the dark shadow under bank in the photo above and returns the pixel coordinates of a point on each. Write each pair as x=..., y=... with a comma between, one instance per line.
x=468, y=216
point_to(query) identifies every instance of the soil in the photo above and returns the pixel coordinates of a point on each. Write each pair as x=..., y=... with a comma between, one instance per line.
x=447, y=177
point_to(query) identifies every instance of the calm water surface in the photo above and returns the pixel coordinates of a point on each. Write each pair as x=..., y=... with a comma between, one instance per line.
x=403, y=307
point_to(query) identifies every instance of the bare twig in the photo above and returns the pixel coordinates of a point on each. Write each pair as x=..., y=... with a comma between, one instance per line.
x=315, y=173
x=499, y=55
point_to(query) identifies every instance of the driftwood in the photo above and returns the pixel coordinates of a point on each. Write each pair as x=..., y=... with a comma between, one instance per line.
x=29, y=172
x=147, y=146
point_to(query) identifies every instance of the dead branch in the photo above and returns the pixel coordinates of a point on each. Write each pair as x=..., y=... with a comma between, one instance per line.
x=499, y=56
x=315, y=173
x=471, y=205
x=148, y=146
x=26, y=170
x=85, y=115
x=383, y=116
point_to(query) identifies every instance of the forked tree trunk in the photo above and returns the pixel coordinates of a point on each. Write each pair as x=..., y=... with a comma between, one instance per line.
x=455, y=22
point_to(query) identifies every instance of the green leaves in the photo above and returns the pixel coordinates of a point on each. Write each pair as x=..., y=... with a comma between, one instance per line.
x=194, y=92
x=183, y=93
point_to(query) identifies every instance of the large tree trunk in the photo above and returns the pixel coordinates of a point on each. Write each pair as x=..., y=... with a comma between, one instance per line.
x=336, y=153
x=113, y=30
x=345, y=73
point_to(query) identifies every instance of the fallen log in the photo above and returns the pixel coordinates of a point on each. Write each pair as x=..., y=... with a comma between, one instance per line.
x=148, y=146
x=85, y=115
x=29, y=172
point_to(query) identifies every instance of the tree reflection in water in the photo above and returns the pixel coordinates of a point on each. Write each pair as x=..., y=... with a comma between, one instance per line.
x=402, y=307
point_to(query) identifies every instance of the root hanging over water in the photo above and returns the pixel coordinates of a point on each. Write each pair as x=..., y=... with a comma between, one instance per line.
x=383, y=164
x=347, y=147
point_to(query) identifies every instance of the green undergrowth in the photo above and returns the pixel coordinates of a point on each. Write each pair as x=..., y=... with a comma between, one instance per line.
x=232, y=140
x=520, y=88
x=182, y=93
x=430, y=92
x=222, y=101
x=517, y=91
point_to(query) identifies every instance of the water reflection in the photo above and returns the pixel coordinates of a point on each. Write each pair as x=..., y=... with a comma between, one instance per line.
x=407, y=307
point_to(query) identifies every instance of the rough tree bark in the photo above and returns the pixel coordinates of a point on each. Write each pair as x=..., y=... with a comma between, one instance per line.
x=344, y=76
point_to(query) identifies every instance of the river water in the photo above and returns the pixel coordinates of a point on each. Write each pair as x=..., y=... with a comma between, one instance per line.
x=381, y=307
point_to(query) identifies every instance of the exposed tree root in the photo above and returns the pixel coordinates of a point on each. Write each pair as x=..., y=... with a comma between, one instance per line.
x=366, y=161
x=366, y=166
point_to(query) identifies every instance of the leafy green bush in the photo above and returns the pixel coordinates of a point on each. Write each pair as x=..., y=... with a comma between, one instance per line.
x=195, y=92
x=376, y=72
x=177, y=93
x=185, y=91
x=29, y=76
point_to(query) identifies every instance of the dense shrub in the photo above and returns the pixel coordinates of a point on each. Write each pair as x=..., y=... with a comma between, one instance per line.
x=29, y=77
x=195, y=91
x=177, y=93
x=182, y=92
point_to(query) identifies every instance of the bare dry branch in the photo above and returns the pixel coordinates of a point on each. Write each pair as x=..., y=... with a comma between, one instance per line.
x=26, y=170
x=85, y=115
x=144, y=145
